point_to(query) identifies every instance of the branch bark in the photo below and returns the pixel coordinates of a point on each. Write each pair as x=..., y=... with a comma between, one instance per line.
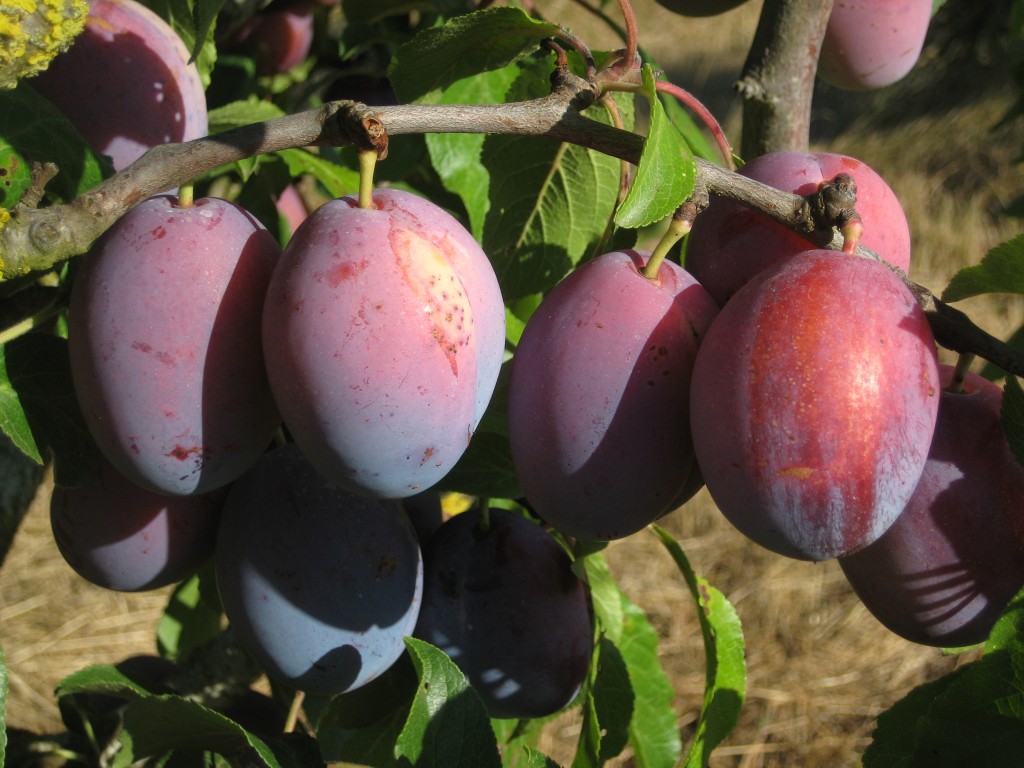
x=778, y=77
x=39, y=238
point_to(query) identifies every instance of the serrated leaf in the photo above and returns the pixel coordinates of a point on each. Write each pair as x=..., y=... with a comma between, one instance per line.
x=161, y=724
x=536, y=759
x=456, y=156
x=448, y=725
x=666, y=174
x=33, y=130
x=692, y=133
x=1011, y=416
x=39, y=370
x=466, y=45
x=13, y=420
x=103, y=679
x=612, y=694
x=726, y=669
x=652, y=731
x=192, y=617
x=589, y=745
x=1001, y=271
x=605, y=596
x=204, y=17
x=337, y=179
x=239, y=113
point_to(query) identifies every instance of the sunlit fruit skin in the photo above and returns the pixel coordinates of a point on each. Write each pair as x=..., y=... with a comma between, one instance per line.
x=164, y=336
x=700, y=7
x=504, y=604
x=383, y=341
x=870, y=44
x=813, y=404
x=122, y=537
x=954, y=558
x=126, y=84
x=730, y=243
x=598, y=395
x=319, y=585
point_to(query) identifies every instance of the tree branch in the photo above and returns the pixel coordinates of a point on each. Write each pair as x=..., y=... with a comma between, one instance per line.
x=778, y=76
x=39, y=238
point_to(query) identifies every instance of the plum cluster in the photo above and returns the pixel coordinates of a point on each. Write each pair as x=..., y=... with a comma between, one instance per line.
x=270, y=408
x=800, y=385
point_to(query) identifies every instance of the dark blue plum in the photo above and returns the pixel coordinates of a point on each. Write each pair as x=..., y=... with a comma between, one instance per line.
x=320, y=586
x=504, y=604
x=123, y=537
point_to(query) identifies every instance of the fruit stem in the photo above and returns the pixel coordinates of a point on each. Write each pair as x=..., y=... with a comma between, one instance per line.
x=678, y=228
x=293, y=711
x=485, y=515
x=24, y=326
x=963, y=365
x=367, y=162
x=186, y=195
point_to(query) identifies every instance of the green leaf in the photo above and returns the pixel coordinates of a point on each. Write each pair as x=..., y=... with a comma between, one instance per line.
x=485, y=469
x=613, y=699
x=726, y=669
x=466, y=45
x=239, y=113
x=185, y=16
x=1001, y=271
x=605, y=596
x=652, y=731
x=448, y=725
x=1011, y=416
x=104, y=679
x=204, y=17
x=39, y=369
x=589, y=746
x=337, y=179
x=161, y=724
x=33, y=130
x=192, y=617
x=456, y=156
x=13, y=420
x=667, y=171
x=536, y=759
x=694, y=135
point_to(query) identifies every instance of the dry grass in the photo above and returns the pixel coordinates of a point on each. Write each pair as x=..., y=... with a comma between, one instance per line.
x=820, y=667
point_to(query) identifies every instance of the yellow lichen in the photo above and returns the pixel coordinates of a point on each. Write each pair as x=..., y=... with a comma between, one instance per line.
x=32, y=32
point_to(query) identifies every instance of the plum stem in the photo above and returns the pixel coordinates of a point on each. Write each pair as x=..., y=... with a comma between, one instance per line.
x=367, y=162
x=186, y=195
x=963, y=365
x=293, y=711
x=678, y=228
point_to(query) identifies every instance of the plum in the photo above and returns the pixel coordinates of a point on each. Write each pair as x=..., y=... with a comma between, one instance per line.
x=319, y=585
x=123, y=537
x=164, y=336
x=280, y=36
x=384, y=330
x=954, y=558
x=598, y=397
x=502, y=601
x=872, y=43
x=700, y=7
x=730, y=243
x=813, y=404
x=126, y=84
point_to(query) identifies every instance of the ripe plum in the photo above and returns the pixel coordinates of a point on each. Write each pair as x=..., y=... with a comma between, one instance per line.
x=280, y=36
x=954, y=558
x=700, y=7
x=502, y=601
x=384, y=330
x=730, y=243
x=872, y=43
x=598, y=396
x=813, y=404
x=123, y=537
x=164, y=336
x=319, y=585
x=126, y=84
